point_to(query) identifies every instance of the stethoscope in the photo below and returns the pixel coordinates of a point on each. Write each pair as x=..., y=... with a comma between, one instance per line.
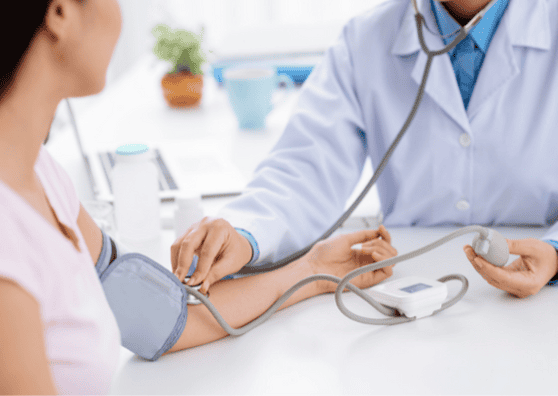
x=420, y=21
x=488, y=243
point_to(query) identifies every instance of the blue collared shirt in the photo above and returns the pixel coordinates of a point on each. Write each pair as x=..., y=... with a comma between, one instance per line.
x=253, y=243
x=470, y=65
x=467, y=57
x=250, y=214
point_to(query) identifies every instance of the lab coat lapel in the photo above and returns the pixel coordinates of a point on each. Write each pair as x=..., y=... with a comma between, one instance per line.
x=525, y=23
x=498, y=69
x=441, y=85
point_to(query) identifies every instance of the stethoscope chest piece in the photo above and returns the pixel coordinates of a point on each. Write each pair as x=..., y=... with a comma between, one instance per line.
x=193, y=300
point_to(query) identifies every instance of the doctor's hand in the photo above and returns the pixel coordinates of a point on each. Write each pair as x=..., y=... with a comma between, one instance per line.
x=537, y=264
x=221, y=251
x=334, y=256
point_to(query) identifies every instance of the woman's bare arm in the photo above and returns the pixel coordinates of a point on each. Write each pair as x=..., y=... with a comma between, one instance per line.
x=91, y=233
x=242, y=300
x=24, y=367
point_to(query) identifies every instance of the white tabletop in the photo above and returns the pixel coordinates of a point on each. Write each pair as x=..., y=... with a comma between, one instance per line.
x=488, y=343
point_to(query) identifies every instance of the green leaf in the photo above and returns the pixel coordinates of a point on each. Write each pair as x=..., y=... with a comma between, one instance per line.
x=181, y=48
x=160, y=30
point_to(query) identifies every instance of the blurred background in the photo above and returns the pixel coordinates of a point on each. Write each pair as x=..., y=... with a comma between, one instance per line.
x=286, y=34
x=236, y=29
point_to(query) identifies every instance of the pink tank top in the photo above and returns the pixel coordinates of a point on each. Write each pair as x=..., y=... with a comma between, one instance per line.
x=81, y=335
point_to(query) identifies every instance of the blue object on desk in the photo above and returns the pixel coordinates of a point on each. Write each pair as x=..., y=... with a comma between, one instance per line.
x=297, y=73
x=250, y=93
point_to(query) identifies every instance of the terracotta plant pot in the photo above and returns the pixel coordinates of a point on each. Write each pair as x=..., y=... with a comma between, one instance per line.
x=182, y=89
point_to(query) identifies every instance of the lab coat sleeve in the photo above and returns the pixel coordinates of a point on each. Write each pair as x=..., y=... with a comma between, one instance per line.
x=301, y=188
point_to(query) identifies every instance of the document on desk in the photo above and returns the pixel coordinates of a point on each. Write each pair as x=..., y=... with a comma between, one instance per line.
x=201, y=167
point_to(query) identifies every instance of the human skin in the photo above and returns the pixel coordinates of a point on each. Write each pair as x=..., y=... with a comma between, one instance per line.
x=242, y=300
x=525, y=276
x=538, y=261
x=228, y=251
x=464, y=10
x=69, y=57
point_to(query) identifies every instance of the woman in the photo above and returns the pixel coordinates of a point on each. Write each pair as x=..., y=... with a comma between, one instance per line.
x=57, y=333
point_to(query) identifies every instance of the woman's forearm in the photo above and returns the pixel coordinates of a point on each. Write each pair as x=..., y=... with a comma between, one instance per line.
x=242, y=300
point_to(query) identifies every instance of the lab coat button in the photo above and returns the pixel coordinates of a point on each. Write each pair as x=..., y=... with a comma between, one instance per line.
x=465, y=140
x=463, y=205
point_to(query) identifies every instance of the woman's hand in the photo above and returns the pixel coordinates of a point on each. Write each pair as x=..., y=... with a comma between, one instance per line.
x=335, y=257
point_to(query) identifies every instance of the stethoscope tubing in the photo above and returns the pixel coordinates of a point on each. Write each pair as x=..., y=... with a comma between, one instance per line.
x=344, y=283
x=431, y=54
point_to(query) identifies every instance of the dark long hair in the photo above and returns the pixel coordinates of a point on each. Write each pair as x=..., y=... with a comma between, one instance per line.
x=19, y=23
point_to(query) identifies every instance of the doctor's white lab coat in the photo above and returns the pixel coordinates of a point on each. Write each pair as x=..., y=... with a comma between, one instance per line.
x=495, y=163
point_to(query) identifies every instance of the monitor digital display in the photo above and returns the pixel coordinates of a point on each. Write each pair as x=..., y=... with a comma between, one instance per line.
x=415, y=288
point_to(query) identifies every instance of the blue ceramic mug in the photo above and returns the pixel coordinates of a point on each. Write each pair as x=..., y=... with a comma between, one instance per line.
x=250, y=94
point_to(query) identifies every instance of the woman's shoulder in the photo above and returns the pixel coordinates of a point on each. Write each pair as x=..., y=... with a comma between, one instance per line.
x=27, y=247
x=13, y=253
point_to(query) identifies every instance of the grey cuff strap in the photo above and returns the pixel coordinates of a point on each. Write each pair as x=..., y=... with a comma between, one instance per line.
x=107, y=252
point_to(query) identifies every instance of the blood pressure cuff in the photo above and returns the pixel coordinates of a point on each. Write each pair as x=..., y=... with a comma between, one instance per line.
x=148, y=301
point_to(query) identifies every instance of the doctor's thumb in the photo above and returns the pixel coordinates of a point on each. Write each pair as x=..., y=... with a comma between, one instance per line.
x=515, y=246
x=205, y=286
x=520, y=247
x=209, y=280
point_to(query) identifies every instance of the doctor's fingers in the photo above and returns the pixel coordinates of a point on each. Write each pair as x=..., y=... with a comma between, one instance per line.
x=507, y=278
x=176, y=245
x=183, y=249
x=524, y=247
x=518, y=278
x=225, y=265
x=213, y=245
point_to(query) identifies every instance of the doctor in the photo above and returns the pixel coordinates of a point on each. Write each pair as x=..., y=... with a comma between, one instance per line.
x=481, y=149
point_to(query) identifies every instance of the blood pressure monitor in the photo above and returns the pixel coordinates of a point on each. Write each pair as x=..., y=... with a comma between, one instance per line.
x=413, y=296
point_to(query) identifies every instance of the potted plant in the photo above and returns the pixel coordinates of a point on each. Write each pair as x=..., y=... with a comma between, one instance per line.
x=183, y=85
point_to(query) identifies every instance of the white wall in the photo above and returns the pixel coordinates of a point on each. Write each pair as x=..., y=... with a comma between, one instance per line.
x=235, y=27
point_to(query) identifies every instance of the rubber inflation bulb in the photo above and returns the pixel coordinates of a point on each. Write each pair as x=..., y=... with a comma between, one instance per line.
x=496, y=252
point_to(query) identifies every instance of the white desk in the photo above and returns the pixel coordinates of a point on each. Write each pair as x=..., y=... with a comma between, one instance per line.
x=488, y=343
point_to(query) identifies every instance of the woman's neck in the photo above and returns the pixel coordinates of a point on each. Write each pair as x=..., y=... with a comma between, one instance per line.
x=26, y=114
